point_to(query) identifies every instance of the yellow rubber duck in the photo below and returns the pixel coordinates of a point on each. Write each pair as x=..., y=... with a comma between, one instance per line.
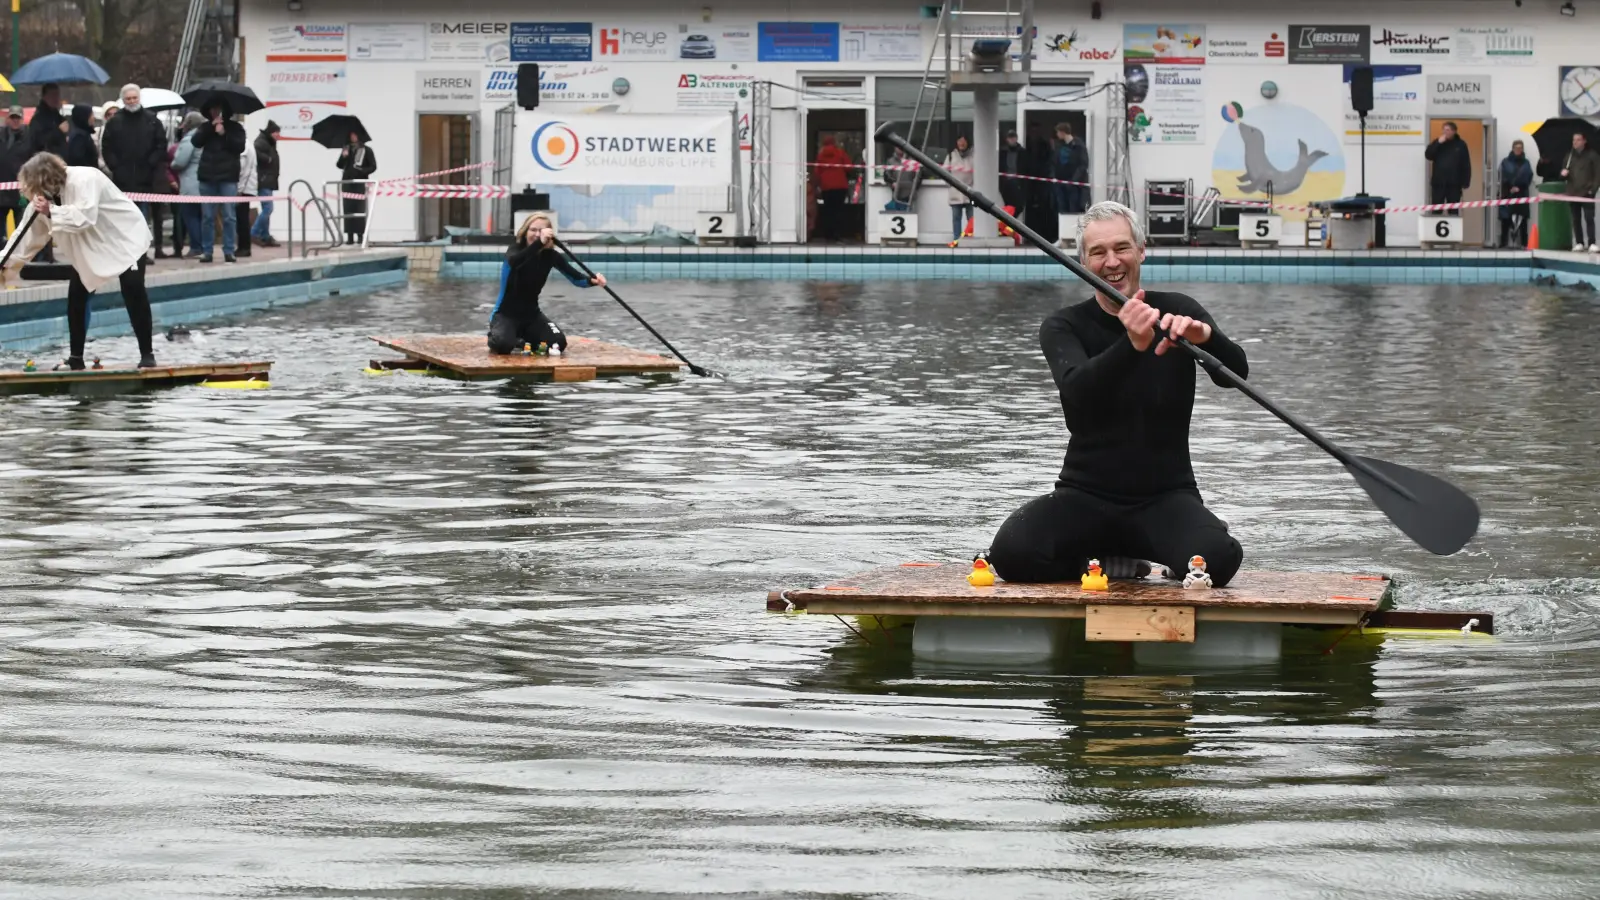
x=1094, y=579
x=981, y=575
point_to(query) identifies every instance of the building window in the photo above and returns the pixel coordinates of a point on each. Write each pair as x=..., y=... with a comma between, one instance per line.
x=896, y=100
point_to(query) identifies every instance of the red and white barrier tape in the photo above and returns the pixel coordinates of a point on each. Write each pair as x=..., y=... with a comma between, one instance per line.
x=472, y=168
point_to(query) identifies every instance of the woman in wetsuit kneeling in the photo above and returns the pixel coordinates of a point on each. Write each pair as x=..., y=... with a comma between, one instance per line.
x=516, y=319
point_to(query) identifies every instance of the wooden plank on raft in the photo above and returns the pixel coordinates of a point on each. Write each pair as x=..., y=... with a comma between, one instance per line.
x=468, y=356
x=1139, y=623
x=116, y=380
x=1313, y=598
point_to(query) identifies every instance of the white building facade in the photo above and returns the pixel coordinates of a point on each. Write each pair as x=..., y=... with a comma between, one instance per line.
x=1246, y=99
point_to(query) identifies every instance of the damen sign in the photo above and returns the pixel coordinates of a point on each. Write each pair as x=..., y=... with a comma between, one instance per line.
x=609, y=148
x=1465, y=96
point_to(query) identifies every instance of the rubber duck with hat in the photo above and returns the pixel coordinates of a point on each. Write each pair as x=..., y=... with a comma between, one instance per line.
x=982, y=574
x=1095, y=579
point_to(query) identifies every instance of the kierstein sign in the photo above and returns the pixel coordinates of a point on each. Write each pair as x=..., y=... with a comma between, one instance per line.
x=1464, y=96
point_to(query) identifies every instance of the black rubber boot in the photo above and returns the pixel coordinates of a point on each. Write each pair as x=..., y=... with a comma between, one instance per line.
x=146, y=361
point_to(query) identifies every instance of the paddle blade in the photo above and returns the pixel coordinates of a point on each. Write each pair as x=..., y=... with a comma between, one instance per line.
x=1441, y=518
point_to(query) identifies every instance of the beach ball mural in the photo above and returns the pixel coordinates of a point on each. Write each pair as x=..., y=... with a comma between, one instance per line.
x=1231, y=112
x=1278, y=148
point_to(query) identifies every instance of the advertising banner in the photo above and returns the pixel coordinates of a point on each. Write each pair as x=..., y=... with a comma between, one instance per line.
x=1263, y=45
x=296, y=119
x=404, y=43
x=1064, y=44
x=880, y=42
x=1329, y=44
x=476, y=42
x=1497, y=44
x=797, y=41
x=1412, y=45
x=551, y=42
x=1180, y=45
x=1398, y=107
x=1466, y=96
x=617, y=149
x=1166, y=104
x=638, y=41
x=306, y=40
x=701, y=91
x=557, y=84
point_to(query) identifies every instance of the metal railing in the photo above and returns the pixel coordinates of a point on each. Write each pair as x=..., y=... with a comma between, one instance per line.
x=334, y=237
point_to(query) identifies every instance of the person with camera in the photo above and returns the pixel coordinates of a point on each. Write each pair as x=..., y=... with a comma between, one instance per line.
x=517, y=319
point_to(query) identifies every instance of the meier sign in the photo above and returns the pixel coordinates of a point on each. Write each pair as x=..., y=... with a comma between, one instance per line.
x=612, y=149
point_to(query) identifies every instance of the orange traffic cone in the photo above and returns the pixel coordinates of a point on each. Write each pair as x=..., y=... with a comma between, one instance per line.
x=1533, y=235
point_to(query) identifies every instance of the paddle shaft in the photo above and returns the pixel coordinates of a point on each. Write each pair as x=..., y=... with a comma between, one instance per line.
x=16, y=237
x=668, y=344
x=1105, y=289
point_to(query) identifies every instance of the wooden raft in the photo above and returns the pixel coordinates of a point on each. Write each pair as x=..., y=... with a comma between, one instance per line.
x=122, y=380
x=941, y=589
x=467, y=356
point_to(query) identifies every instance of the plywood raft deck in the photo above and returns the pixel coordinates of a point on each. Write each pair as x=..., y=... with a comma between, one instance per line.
x=118, y=380
x=941, y=589
x=468, y=356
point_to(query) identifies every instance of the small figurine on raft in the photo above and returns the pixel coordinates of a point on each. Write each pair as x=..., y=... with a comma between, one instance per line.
x=1197, y=577
x=1095, y=579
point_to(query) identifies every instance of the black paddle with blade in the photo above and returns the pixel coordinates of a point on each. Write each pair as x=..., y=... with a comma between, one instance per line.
x=698, y=370
x=1436, y=514
x=16, y=236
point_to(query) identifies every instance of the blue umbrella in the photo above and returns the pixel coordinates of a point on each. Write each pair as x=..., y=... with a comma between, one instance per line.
x=61, y=68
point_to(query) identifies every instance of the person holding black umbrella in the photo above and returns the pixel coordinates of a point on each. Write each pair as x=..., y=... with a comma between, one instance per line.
x=221, y=142
x=356, y=162
x=44, y=132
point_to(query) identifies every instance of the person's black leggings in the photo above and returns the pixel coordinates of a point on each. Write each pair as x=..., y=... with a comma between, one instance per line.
x=1052, y=538
x=1583, y=223
x=507, y=334
x=134, y=299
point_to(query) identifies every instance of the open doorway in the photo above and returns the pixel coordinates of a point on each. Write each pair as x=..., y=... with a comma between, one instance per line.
x=848, y=128
x=1479, y=137
x=1038, y=140
x=445, y=142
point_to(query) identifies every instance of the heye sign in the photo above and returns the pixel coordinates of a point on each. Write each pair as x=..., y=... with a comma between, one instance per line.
x=607, y=149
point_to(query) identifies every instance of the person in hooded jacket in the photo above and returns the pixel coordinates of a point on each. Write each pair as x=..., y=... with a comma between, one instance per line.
x=81, y=150
x=266, y=182
x=186, y=167
x=221, y=142
x=247, y=188
x=1516, y=178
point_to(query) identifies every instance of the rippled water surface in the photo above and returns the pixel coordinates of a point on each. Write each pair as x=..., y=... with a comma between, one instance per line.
x=407, y=637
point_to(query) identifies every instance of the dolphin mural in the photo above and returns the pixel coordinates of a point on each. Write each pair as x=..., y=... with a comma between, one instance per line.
x=1260, y=175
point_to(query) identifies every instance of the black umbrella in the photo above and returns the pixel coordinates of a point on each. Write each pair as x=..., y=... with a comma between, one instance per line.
x=1554, y=140
x=241, y=101
x=334, y=131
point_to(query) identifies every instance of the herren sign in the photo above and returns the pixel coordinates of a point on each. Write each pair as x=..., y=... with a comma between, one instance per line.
x=1335, y=44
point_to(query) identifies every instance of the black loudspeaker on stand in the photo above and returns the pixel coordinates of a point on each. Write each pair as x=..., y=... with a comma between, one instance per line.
x=528, y=85
x=1361, y=102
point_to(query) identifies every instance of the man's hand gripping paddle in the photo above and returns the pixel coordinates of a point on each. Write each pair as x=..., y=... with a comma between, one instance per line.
x=1436, y=514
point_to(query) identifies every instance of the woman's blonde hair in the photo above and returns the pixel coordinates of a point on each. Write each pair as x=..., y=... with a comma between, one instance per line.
x=43, y=176
x=527, y=225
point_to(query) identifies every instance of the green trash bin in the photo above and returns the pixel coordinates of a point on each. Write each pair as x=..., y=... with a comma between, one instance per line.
x=1554, y=220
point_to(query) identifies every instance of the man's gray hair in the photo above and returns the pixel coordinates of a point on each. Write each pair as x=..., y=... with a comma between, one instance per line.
x=1105, y=211
x=129, y=87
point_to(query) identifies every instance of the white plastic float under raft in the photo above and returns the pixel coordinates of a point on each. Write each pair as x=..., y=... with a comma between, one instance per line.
x=1163, y=624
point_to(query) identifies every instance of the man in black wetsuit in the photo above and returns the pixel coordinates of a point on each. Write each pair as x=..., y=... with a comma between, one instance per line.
x=516, y=319
x=1127, y=488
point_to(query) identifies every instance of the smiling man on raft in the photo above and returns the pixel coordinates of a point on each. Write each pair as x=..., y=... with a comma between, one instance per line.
x=1127, y=490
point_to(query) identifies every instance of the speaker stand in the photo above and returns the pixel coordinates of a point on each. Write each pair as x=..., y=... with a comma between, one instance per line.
x=1363, y=155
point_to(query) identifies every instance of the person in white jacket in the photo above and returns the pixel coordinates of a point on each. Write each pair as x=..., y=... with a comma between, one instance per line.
x=247, y=188
x=99, y=231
